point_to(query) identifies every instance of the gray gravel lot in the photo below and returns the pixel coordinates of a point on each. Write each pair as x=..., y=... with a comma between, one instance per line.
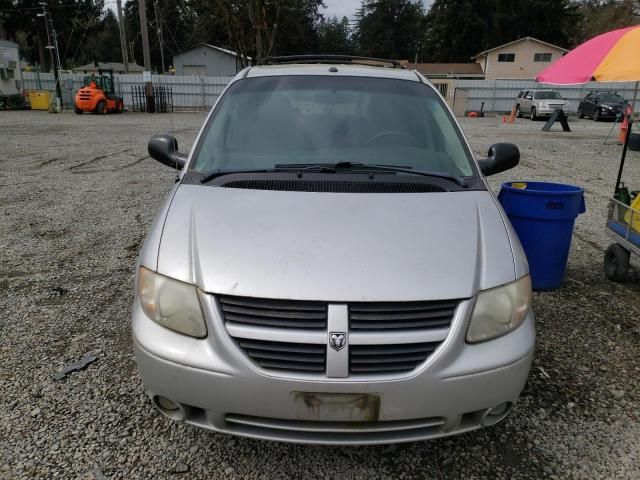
x=77, y=194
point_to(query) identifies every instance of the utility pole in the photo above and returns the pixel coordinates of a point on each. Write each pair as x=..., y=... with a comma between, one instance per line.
x=159, y=33
x=151, y=104
x=55, y=62
x=123, y=38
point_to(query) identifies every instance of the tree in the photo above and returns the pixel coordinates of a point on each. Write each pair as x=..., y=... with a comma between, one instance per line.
x=389, y=28
x=600, y=16
x=334, y=36
x=458, y=29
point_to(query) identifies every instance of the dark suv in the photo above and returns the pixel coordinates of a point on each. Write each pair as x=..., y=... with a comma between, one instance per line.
x=601, y=105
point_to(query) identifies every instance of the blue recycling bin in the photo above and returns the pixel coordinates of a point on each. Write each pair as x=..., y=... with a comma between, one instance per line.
x=543, y=215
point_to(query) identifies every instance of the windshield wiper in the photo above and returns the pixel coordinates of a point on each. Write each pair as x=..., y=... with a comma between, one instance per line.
x=370, y=166
x=218, y=173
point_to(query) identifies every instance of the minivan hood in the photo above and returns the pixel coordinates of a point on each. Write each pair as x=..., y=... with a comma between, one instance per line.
x=335, y=246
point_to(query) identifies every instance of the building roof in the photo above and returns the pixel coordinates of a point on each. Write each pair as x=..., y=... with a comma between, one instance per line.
x=219, y=49
x=117, y=66
x=525, y=39
x=7, y=43
x=446, y=68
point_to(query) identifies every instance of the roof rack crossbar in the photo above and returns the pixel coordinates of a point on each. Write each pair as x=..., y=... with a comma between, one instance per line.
x=331, y=59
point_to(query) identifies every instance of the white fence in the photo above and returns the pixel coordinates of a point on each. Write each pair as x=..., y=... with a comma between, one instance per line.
x=500, y=95
x=194, y=92
x=189, y=92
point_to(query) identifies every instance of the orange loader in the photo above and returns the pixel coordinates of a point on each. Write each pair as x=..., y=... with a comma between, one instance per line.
x=98, y=95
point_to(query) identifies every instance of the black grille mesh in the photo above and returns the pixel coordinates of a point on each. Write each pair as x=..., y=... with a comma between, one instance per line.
x=300, y=357
x=325, y=186
x=394, y=358
x=401, y=315
x=274, y=313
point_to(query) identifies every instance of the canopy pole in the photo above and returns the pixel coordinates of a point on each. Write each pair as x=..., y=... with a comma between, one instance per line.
x=635, y=97
x=624, y=156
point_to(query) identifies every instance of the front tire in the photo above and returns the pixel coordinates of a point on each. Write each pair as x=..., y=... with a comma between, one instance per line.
x=77, y=110
x=616, y=263
x=534, y=116
x=101, y=108
x=580, y=113
x=518, y=112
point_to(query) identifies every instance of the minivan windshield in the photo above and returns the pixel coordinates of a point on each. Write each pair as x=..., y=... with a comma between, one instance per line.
x=549, y=95
x=267, y=121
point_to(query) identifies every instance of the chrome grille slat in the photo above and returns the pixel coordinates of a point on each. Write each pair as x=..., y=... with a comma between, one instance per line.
x=398, y=325
x=282, y=347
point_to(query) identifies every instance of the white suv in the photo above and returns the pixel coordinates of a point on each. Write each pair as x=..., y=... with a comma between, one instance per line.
x=540, y=103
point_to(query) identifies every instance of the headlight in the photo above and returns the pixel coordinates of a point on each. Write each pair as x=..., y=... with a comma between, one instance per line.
x=608, y=107
x=544, y=105
x=171, y=303
x=499, y=310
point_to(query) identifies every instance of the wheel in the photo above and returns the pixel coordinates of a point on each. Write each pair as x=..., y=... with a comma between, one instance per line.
x=101, y=108
x=119, y=107
x=616, y=263
x=77, y=110
x=580, y=113
x=534, y=117
x=518, y=112
x=596, y=115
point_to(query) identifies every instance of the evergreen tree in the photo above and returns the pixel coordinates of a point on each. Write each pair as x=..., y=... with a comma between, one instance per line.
x=389, y=28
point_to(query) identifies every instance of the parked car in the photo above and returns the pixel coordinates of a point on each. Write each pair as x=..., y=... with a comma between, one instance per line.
x=601, y=105
x=540, y=103
x=331, y=266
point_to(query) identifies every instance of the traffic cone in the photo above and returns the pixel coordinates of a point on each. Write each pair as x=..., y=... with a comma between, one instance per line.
x=622, y=137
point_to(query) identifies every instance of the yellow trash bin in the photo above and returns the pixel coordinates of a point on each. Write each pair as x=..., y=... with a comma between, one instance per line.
x=40, y=99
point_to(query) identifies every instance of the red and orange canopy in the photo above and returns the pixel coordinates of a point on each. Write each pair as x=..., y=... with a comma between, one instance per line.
x=610, y=57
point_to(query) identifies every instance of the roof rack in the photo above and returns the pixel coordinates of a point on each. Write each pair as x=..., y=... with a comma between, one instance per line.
x=332, y=59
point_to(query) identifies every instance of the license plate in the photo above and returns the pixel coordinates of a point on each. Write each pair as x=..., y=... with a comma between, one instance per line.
x=336, y=407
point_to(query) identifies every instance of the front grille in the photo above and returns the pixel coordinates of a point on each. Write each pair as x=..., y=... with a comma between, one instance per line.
x=396, y=358
x=274, y=313
x=325, y=186
x=293, y=336
x=401, y=315
x=298, y=357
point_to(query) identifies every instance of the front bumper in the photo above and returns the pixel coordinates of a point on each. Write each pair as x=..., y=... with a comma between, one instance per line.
x=218, y=388
x=547, y=112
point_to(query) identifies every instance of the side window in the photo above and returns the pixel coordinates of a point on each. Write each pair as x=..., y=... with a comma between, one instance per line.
x=542, y=57
x=507, y=57
x=529, y=95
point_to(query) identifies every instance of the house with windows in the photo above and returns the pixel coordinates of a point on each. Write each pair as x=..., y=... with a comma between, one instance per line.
x=521, y=59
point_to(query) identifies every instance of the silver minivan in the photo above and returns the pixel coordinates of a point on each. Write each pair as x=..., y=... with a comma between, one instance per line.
x=331, y=266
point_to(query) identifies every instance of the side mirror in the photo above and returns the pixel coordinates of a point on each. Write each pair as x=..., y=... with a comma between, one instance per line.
x=164, y=148
x=501, y=157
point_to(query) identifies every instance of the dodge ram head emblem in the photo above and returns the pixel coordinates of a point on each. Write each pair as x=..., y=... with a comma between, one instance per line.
x=337, y=340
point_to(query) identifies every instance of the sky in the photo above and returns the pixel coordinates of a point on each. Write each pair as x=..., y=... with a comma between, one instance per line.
x=341, y=8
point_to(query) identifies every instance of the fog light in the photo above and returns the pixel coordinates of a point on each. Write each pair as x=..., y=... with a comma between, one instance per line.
x=166, y=404
x=495, y=414
x=171, y=409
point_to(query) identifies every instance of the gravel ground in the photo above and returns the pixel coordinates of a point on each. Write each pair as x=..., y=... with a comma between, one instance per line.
x=78, y=193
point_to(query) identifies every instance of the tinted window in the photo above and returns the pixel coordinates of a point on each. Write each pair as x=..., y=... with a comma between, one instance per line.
x=611, y=98
x=262, y=122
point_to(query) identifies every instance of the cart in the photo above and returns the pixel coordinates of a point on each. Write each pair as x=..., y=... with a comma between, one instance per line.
x=623, y=226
